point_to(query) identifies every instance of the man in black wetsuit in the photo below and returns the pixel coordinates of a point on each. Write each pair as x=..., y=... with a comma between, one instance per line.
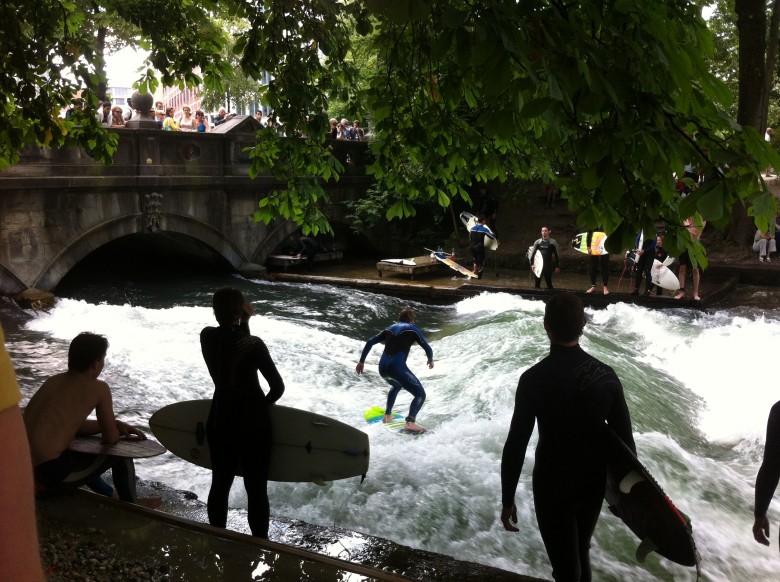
x=309, y=248
x=477, y=236
x=549, y=249
x=570, y=394
x=239, y=424
x=768, y=476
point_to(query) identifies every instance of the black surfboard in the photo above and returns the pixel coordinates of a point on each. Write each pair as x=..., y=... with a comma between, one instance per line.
x=635, y=497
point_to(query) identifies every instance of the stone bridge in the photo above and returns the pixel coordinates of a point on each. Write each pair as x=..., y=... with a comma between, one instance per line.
x=57, y=206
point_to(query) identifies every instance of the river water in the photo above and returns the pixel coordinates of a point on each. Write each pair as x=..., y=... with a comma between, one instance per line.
x=699, y=387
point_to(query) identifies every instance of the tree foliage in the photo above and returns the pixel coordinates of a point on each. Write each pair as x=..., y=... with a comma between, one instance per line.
x=614, y=94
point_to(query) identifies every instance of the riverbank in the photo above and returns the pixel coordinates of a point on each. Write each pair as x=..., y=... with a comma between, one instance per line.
x=85, y=536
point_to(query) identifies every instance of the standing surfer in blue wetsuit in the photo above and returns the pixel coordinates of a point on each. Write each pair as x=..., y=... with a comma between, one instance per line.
x=477, y=235
x=571, y=395
x=398, y=340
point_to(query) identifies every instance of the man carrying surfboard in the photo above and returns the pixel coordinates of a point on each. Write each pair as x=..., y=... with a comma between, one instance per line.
x=477, y=235
x=59, y=411
x=398, y=340
x=571, y=395
x=239, y=423
x=548, y=247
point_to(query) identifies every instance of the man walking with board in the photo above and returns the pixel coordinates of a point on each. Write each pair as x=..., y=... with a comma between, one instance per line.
x=571, y=395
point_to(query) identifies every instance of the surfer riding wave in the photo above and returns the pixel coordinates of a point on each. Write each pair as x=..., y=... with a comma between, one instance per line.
x=398, y=339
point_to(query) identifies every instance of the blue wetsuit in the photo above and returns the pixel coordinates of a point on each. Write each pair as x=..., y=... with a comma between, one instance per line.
x=398, y=340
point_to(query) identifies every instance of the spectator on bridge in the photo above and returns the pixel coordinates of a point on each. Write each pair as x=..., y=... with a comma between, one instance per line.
x=333, y=130
x=201, y=123
x=355, y=132
x=117, y=119
x=343, y=129
x=169, y=123
x=104, y=114
x=159, y=117
x=186, y=121
x=128, y=114
x=259, y=116
x=223, y=116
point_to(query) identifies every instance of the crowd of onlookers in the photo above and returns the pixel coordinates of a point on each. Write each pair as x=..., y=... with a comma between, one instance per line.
x=343, y=130
x=198, y=121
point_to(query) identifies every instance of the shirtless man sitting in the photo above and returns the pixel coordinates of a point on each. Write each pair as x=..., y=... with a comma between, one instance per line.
x=59, y=411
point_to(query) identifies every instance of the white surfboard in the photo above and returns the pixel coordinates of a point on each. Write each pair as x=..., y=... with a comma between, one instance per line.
x=664, y=277
x=538, y=265
x=306, y=447
x=447, y=260
x=469, y=221
x=404, y=262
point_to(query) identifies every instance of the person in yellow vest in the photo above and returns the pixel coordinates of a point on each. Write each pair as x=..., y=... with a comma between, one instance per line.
x=19, y=555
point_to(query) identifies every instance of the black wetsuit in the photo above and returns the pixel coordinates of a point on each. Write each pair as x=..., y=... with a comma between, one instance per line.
x=570, y=394
x=596, y=262
x=239, y=426
x=549, y=249
x=477, y=236
x=769, y=473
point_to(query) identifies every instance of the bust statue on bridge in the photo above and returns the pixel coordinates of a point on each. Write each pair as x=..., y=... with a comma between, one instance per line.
x=142, y=108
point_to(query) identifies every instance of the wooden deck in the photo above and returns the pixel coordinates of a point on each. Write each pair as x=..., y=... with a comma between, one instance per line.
x=423, y=264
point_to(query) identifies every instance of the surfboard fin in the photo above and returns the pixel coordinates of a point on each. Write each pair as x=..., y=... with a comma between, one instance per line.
x=645, y=548
x=632, y=478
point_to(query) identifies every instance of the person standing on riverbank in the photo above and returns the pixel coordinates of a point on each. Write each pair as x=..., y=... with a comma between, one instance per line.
x=477, y=236
x=571, y=395
x=58, y=412
x=239, y=422
x=398, y=340
x=548, y=247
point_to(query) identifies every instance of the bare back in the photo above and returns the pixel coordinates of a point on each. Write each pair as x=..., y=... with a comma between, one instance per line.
x=58, y=411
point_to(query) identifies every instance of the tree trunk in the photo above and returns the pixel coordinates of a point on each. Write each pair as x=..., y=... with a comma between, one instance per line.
x=100, y=63
x=756, y=72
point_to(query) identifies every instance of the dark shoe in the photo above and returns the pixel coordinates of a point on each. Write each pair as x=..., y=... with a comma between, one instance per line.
x=635, y=292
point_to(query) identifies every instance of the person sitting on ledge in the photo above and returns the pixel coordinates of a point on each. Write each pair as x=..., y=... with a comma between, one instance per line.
x=58, y=412
x=764, y=244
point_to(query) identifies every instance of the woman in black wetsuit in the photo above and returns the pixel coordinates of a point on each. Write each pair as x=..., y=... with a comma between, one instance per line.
x=570, y=394
x=239, y=424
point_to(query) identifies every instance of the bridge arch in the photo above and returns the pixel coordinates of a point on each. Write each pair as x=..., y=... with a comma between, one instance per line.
x=114, y=229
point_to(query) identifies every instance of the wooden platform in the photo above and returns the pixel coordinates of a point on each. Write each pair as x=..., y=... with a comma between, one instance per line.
x=424, y=264
x=286, y=261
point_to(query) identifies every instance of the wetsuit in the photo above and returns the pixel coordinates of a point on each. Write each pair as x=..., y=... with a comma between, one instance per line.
x=477, y=236
x=239, y=425
x=398, y=340
x=308, y=247
x=644, y=265
x=570, y=394
x=769, y=473
x=549, y=249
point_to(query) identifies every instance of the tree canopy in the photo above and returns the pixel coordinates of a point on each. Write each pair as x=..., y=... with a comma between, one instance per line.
x=610, y=98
